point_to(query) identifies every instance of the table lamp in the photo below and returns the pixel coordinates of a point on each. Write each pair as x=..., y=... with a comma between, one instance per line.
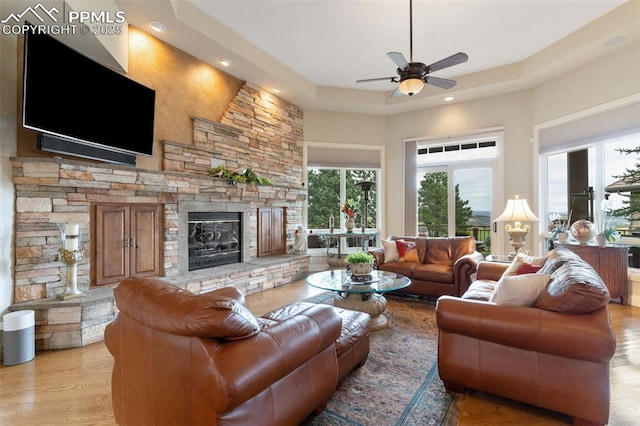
x=517, y=211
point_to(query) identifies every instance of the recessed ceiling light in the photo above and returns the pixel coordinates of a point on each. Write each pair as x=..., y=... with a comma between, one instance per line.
x=277, y=89
x=448, y=99
x=225, y=62
x=615, y=40
x=157, y=25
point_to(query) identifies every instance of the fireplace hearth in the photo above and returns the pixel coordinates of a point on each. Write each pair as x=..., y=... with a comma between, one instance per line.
x=214, y=239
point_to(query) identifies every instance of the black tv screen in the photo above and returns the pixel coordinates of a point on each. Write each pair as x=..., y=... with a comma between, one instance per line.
x=73, y=97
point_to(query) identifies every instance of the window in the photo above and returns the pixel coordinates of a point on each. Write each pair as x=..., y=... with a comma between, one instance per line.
x=605, y=164
x=330, y=188
x=455, y=187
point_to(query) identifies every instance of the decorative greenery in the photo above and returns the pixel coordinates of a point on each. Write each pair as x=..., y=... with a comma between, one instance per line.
x=559, y=226
x=603, y=224
x=248, y=176
x=359, y=257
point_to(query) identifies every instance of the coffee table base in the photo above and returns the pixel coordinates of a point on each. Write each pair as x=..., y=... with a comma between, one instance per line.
x=369, y=303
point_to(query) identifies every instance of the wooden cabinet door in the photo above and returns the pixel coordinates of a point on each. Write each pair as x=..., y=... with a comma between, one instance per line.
x=271, y=237
x=264, y=232
x=145, y=241
x=127, y=242
x=278, y=241
x=111, y=248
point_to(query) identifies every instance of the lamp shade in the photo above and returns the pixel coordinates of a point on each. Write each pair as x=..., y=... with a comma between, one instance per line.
x=411, y=86
x=517, y=210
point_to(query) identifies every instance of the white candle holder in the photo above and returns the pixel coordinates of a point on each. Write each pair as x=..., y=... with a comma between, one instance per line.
x=70, y=255
x=71, y=259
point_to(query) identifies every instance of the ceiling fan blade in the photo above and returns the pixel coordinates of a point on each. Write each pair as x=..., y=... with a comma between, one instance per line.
x=396, y=93
x=391, y=79
x=399, y=59
x=440, y=82
x=452, y=60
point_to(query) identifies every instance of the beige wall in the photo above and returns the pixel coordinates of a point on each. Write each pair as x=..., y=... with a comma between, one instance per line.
x=605, y=80
x=185, y=87
x=8, y=114
x=362, y=129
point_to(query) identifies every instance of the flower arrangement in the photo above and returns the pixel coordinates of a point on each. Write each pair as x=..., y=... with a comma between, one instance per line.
x=349, y=208
x=559, y=226
x=603, y=223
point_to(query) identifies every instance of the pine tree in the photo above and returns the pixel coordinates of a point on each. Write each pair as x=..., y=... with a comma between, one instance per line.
x=631, y=207
x=432, y=204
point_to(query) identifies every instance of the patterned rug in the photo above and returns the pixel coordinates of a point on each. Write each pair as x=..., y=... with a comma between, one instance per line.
x=399, y=384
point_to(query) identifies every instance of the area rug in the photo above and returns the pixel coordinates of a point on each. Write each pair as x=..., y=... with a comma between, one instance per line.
x=399, y=384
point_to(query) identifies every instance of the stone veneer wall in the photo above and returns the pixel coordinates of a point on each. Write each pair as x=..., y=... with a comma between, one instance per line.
x=258, y=131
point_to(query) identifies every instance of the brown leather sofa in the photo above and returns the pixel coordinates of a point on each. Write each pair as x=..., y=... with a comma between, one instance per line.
x=554, y=354
x=181, y=358
x=443, y=265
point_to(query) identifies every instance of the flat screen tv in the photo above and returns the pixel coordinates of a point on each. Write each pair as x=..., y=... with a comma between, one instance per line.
x=69, y=96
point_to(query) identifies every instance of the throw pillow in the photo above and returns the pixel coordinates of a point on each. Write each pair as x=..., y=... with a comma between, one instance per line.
x=527, y=268
x=519, y=290
x=524, y=259
x=402, y=246
x=412, y=255
x=408, y=251
x=390, y=251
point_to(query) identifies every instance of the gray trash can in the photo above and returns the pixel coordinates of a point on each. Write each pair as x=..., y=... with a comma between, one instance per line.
x=18, y=337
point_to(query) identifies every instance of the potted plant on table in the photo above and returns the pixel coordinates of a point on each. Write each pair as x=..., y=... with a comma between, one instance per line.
x=360, y=263
x=560, y=229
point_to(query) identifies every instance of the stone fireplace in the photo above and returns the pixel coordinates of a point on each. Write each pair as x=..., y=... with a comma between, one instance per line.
x=265, y=136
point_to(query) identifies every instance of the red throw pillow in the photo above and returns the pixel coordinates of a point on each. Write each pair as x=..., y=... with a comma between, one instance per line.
x=403, y=246
x=408, y=251
x=527, y=268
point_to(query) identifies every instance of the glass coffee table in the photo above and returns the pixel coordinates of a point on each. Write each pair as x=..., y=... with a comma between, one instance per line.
x=364, y=294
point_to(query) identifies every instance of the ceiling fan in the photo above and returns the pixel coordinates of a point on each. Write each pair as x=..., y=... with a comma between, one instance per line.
x=413, y=75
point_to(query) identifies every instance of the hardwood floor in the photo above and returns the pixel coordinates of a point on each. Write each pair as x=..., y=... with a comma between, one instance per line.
x=72, y=387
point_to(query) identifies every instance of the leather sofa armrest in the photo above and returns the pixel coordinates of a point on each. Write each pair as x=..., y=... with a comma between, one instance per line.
x=491, y=270
x=462, y=270
x=378, y=255
x=254, y=364
x=529, y=328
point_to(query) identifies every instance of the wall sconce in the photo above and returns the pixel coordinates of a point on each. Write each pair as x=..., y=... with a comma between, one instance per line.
x=517, y=211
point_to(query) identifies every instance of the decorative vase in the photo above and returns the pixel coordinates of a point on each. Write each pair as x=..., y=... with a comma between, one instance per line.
x=563, y=237
x=350, y=224
x=583, y=231
x=601, y=240
x=360, y=269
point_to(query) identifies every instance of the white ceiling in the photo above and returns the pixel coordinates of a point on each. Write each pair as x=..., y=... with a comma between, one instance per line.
x=315, y=50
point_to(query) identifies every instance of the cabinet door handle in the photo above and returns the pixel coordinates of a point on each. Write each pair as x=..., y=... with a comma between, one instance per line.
x=133, y=243
x=127, y=243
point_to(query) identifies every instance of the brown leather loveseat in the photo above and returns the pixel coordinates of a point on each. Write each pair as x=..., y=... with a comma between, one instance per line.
x=435, y=265
x=541, y=338
x=187, y=359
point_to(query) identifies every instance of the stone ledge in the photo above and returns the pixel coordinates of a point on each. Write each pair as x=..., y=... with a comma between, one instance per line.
x=81, y=321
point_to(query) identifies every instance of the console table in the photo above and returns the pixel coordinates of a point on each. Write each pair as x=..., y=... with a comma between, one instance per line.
x=364, y=238
x=610, y=262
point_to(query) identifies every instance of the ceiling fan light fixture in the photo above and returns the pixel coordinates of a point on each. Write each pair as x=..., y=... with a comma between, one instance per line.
x=411, y=86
